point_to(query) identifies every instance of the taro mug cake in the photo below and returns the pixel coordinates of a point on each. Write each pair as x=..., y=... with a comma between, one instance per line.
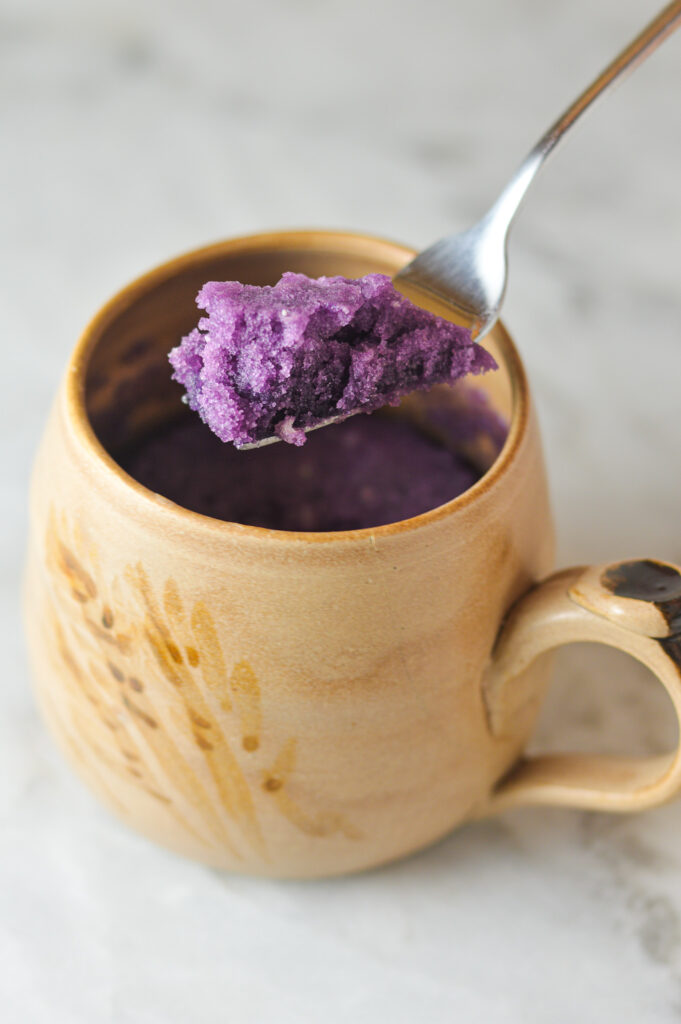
x=303, y=661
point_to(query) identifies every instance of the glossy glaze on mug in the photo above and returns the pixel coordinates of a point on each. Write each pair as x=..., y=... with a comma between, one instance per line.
x=269, y=702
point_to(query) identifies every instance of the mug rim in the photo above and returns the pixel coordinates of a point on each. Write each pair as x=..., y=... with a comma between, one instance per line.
x=309, y=240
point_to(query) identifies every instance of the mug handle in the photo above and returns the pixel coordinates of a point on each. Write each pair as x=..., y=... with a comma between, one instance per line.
x=633, y=606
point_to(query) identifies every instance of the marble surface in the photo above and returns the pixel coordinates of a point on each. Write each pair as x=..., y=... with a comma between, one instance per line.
x=133, y=131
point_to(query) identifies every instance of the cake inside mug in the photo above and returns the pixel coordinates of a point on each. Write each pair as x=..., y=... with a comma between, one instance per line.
x=364, y=472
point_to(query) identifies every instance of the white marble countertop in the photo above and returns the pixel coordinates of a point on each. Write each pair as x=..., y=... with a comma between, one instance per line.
x=133, y=131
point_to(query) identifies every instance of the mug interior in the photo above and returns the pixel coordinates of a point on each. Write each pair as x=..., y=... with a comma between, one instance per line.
x=123, y=376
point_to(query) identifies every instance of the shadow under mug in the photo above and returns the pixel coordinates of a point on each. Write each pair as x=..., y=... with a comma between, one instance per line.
x=306, y=704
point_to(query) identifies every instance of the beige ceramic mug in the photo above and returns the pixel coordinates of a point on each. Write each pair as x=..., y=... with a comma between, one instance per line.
x=303, y=704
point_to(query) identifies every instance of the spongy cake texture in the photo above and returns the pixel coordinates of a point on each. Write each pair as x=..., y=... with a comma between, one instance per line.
x=278, y=358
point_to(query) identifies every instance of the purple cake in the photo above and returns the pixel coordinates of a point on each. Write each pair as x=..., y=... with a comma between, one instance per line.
x=366, y=472
x=277, y=359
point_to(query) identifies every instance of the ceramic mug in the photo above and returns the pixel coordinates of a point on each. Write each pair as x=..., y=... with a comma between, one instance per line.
x=306, y=704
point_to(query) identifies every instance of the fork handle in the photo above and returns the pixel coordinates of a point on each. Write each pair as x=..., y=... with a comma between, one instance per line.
x=506, y=206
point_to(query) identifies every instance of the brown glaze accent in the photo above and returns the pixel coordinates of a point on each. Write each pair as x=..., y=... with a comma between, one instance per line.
x=278, y=782
x=213, y=667
x=119, y=641
x=156, y=631
x=671, y=645
x=159, y=650
x=202, y=742
x=107, y=618
x=135, y=684
x=198, y=720
x=172, y=605
x=132, y=707
x=246, y=693
x=648, y=580
x=175, y=653
x=115, y=672
x=159, y=796
x=82, y=584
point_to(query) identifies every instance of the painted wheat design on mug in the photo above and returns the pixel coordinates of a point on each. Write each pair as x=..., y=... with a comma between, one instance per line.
x=153, y=702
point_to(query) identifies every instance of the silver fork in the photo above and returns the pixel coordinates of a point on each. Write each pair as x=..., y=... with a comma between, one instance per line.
x=463, y=277
x=468, y=271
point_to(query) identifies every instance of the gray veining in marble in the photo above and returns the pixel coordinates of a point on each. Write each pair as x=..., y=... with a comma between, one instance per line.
x=131, y=131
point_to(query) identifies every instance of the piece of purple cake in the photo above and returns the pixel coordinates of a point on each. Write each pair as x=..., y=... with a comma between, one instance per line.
x=277, y=359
